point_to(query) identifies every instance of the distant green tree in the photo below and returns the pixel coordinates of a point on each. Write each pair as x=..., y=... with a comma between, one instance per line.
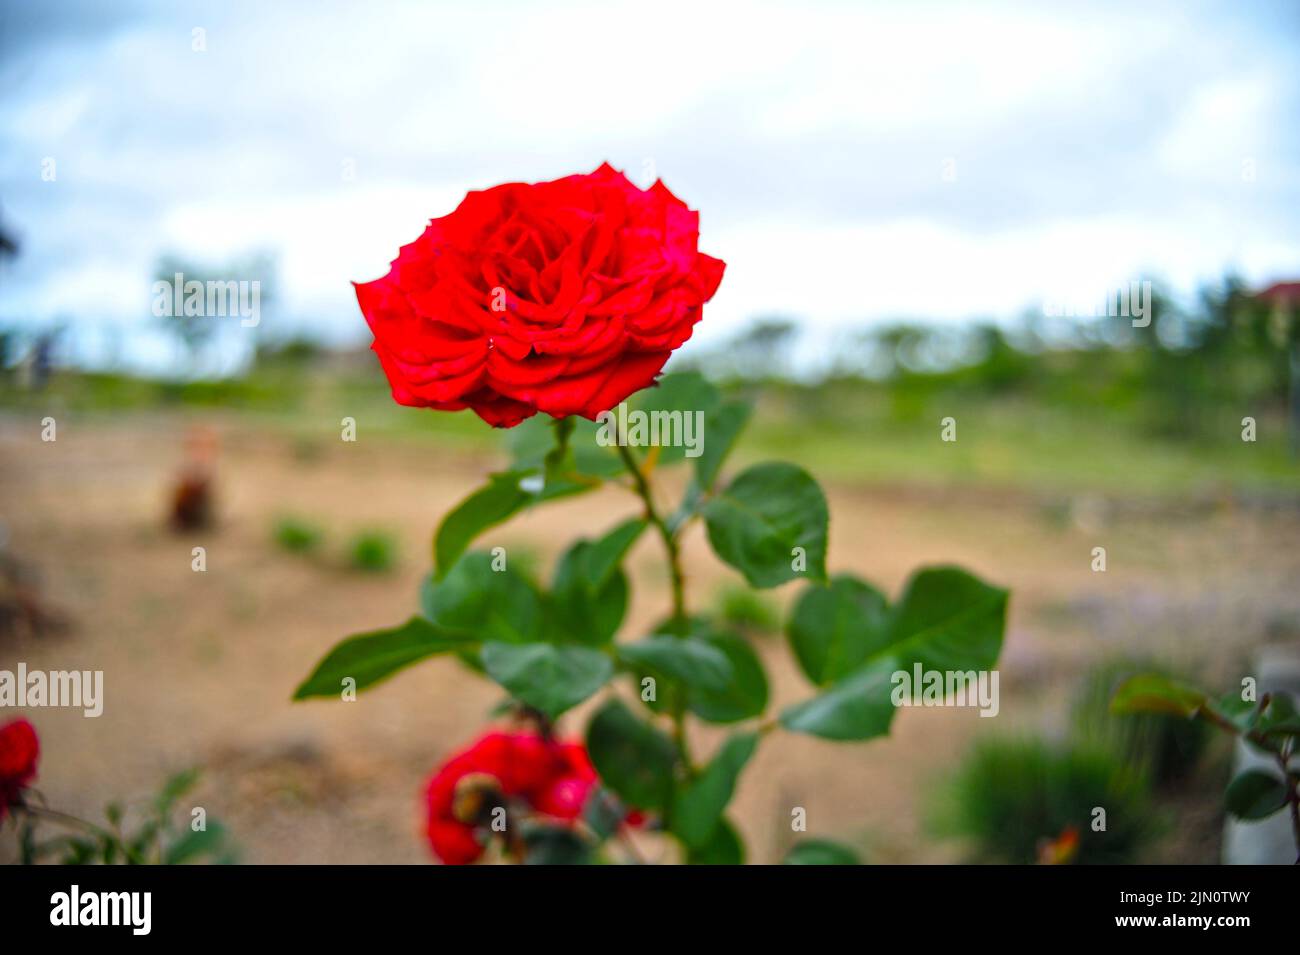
x=195, y=333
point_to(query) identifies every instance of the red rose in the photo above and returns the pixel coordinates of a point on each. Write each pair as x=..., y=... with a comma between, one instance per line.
x=575, y=759
x=565, y=797
x=562, y=297
x=453, y=842
x=513, y=764
x=530, y=766
x=19, y=751
x=551, y=777
x=452, y=839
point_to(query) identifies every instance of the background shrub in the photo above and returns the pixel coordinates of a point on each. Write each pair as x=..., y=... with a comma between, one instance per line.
x=373, y=551
x=1166, y=748
x=298, y=536
x=1012, y=795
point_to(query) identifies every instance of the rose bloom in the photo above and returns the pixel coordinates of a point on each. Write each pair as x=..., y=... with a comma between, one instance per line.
x=562, y=297
x=565, y=794
x=553, y=778
x=19, y=751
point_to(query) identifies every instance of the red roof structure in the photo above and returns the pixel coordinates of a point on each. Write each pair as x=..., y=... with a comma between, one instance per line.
x=1281, y=292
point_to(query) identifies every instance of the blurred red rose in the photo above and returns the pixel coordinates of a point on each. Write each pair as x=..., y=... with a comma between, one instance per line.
x=565, y=797
x=551, y=777
x=562, y=297
x=566, y=793
x=523, y=762
x=19, y=751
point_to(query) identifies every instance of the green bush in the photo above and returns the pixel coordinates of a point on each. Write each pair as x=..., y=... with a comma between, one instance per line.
x=298, y=536
x=373, y=552
x=746, y=609
x=1010, y=796
x=1164, y=747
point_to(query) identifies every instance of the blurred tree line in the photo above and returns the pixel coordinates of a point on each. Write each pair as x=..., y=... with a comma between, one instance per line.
x=1229, y=352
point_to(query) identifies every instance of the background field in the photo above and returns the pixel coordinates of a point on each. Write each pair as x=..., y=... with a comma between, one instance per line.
x=1200, y=530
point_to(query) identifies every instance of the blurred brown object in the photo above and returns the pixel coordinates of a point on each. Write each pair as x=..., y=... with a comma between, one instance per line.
x=22, y=609
x=192, y=494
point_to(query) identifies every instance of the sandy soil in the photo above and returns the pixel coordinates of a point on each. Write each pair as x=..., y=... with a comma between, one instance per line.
x=199, y=667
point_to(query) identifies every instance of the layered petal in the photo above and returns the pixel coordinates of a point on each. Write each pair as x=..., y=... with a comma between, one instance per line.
x=559, y=297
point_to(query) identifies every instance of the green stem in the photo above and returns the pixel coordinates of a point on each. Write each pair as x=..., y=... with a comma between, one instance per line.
x=673, y=551
x=1293, y=784
x=1292, y=781
x=678, y=713
x=53, y=815
x=554, y=460
x=1289, y=778
x=670, y=541
x=63, y=818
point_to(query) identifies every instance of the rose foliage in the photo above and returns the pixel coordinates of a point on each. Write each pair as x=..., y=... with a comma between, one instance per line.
x=567, y=298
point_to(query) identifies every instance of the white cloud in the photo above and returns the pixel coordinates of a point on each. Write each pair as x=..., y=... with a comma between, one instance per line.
x=1091, y=143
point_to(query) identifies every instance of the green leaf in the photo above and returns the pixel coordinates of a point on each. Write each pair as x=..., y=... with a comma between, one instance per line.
x=371, y=657
x=1278, y=719
x=141, y=844
x=673, y=398
x=820, y=852
x=603, y=812
x=678, y=391
x=173, y=789
x=484, y=603
x=723, y=848
x=582, y=613
x=857, y=707
x=692, y=662
x=633, y=758
x=758, y=520
x=547, y=677
x=948, y=619
x=195, y=844
x=1255, y=794
x=745, y=694
x=490, y=505
x=530, y=442
x=1243, y=714
x=555, y=845
x=606, y=553
x=722, y=426
x=1155, y=693
x=505, y=494
x=76, y=850
x=834, y=629
x=589, y=594
x=699, y=805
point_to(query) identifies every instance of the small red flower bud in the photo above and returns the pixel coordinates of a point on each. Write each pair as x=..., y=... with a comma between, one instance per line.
x=19, y=751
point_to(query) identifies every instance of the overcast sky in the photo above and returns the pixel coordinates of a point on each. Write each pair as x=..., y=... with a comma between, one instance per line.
x=850, y=161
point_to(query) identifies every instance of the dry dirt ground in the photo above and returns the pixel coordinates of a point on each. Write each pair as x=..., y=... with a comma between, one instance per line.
x=199, y=667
